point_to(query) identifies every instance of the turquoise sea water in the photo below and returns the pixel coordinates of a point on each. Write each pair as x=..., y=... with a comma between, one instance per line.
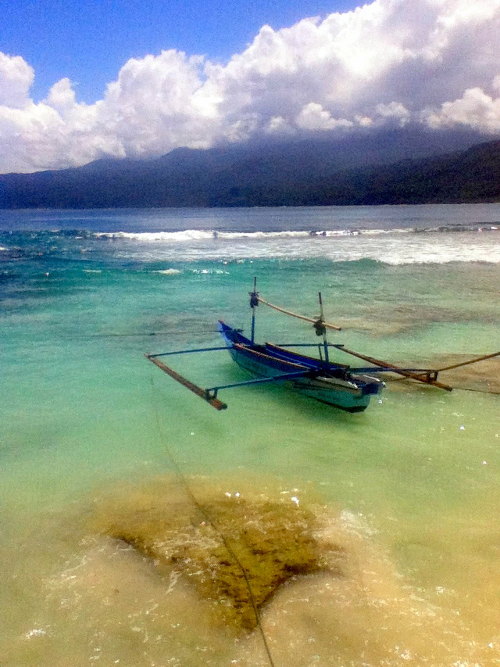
x=409, y=488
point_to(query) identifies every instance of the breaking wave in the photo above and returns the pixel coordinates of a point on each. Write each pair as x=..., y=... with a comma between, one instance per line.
x=467, y=242
x=190, y=235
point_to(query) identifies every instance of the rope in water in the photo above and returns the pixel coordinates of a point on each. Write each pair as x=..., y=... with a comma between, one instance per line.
x=182, y=479
x=300, y=317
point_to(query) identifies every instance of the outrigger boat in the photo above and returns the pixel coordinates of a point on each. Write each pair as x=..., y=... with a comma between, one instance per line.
x=326, y=381
x=339, y=385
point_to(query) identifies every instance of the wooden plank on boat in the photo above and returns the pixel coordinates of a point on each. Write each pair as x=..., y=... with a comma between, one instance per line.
x=199, y=391
x=426, y=379
x=267, y=357
x=283, y=349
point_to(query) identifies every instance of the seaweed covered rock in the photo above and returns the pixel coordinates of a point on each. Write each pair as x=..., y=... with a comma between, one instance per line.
x=236, y=552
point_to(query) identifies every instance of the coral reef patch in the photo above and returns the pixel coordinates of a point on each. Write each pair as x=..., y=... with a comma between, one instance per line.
x=236, y=552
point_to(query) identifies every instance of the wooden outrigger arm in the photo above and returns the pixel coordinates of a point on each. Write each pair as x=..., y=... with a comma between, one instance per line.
x=202, y=393
x=429, y=377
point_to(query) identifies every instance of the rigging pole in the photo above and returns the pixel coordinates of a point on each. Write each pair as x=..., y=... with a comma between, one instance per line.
x=320, y=327
x=254, y=302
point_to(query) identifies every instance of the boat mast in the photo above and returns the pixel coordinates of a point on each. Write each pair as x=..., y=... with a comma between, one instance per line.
x=254, y=302
x=320, y=328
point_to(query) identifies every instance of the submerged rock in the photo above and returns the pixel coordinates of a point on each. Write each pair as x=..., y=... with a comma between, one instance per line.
x=236, y=552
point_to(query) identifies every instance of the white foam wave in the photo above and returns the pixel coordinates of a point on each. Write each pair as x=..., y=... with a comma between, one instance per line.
x=441, y=258
x=164, y=237
x=2, y=248
x=379, y=232
x=262, y=235
x=437, y=245
x=175, y=272
x=190, y=235
x=217, y=272
x=203, y=235
x=206, y=235
x=169, y=272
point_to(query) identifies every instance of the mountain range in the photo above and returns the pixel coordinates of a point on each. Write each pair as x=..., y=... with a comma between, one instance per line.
x=401, y=166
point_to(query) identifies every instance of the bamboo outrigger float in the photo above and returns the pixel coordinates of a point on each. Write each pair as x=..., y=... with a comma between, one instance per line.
x=339, y=385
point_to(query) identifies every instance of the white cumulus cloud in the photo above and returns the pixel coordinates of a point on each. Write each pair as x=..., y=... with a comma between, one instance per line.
x=388, y=62
x=16, y=78
x=314, y=117
x=474, y=109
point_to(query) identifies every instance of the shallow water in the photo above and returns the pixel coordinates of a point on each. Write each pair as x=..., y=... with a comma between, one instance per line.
x=409, y=488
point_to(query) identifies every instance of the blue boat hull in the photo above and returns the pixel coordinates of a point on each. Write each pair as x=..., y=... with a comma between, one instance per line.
x=328, y=383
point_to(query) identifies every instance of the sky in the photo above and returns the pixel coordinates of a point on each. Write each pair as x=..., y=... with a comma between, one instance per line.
x=89, y=41
x=130, y=78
